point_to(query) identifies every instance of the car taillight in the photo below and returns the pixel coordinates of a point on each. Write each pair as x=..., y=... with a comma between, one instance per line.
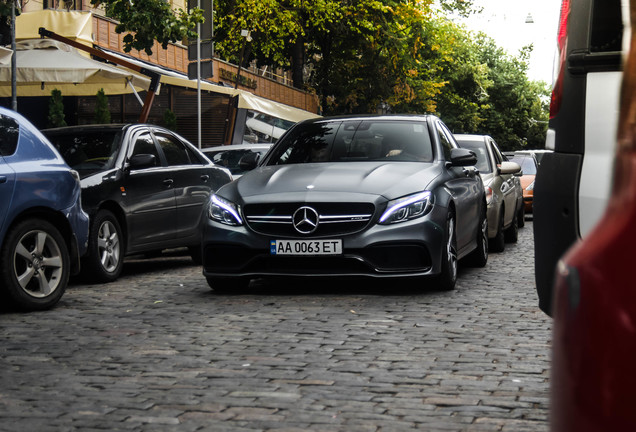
x=559, y=67
x=488, y=194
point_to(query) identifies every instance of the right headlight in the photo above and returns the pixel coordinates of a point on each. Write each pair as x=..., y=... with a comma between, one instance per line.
x=224, y=211
x=407, y=208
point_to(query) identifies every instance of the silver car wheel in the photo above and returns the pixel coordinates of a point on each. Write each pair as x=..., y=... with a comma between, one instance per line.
x=484, y=234
x=451, y=252
x=38, y=263
x=108, y=246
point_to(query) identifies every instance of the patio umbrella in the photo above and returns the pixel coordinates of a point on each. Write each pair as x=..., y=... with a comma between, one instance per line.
x=45, y=64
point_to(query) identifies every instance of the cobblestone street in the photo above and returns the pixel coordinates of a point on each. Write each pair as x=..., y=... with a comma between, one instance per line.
x=159, y=350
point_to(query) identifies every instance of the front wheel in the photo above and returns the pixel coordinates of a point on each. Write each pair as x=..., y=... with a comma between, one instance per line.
x=479, y=257
x=512, y=233
x=521, y=216
x=35, y=265
x=448, y=276
x=105, y=257
x=498, y=243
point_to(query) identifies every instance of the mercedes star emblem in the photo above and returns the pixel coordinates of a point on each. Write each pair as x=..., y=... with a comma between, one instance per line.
x=305, y=220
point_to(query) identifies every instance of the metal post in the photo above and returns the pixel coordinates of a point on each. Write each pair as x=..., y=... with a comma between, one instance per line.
x=14, y=66
x=199, y=79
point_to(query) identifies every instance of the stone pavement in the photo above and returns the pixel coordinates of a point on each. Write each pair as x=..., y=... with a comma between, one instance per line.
x=158, y=350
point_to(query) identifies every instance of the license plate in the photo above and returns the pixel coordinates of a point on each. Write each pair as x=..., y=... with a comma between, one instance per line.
x=306, y=247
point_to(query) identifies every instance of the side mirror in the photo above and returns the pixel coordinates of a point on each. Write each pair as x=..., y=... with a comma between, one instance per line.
x=139, y=161
x=249, y=161
x=509, y=168
x=463, y=157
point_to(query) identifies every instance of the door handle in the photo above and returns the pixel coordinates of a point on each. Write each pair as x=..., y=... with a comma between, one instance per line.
x=205, y=177
x=168, y=182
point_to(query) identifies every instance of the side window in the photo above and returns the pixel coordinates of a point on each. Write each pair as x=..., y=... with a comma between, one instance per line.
x=9, y=136
x=144, y=144
x=607, y=26
x=447, y=144
x=175, y=152
x=495, y=150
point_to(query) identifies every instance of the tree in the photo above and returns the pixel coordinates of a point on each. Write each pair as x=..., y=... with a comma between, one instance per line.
x=102, y=113
x=5, y=20
x=170, y=120
x=487, y=91
x=150, y=20
x=56, y=110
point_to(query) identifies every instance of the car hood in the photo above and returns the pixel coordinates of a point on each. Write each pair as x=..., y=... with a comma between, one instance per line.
x=322, y=180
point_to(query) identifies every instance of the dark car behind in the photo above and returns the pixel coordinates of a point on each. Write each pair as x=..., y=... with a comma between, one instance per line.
x=144, y=187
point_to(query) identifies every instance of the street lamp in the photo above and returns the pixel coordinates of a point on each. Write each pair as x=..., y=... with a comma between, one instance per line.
x=248, y=38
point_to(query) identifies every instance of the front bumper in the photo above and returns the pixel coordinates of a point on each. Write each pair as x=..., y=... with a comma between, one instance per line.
x=407, y=249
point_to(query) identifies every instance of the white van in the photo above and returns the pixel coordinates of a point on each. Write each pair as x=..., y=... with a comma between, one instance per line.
x=573, y=182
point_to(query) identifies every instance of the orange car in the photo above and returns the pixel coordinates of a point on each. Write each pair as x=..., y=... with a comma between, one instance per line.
x=528, y=163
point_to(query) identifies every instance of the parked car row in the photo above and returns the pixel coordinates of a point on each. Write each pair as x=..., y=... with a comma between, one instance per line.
x=97, y=194
x=360, y=196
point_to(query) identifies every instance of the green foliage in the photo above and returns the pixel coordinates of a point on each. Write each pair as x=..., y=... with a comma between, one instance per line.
x=170, y=120
x=360, y=55
x=487, y=91
x=102, y=113
x=56, y=110
x=147, y=20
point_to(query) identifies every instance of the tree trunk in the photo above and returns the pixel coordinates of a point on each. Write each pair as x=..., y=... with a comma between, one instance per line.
x=298, y=63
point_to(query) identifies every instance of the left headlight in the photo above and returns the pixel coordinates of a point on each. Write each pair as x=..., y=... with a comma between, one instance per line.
x=407, y=208
x=224, y=211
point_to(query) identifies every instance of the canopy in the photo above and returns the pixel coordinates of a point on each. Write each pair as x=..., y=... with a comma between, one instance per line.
x=45, y=64
x=246, y=99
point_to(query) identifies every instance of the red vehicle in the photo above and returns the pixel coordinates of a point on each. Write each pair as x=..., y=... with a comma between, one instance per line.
x=593, y=378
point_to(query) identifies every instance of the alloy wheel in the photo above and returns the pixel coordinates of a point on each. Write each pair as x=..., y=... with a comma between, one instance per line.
x=108, y=246
x=38, y=264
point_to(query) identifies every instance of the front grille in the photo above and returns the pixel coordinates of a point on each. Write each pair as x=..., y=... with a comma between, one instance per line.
x=333, y=218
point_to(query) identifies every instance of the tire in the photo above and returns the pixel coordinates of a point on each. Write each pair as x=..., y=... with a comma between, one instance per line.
x=498, y=243
x=35, y=265
x=105, y=257
x=521, y=216
x=479, y=257
x=226, y=285
x=512, y=233
x=448, y=277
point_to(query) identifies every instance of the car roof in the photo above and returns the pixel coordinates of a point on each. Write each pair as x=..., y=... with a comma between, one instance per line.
x=399, y=117
x=471, y=137
x=257, y=146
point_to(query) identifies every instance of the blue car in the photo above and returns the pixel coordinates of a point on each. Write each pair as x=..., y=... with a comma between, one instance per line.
x=43, y=229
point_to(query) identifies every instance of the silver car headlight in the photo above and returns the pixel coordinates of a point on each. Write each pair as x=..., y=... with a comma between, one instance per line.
x=224, y=211
x=407, y=208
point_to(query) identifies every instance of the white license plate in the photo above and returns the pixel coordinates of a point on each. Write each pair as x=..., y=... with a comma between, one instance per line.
x=306, y=247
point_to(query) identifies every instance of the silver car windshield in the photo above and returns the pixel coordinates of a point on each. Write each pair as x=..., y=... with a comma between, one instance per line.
x=356, y=140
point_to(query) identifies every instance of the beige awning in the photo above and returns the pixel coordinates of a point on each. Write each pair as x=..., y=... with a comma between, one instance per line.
x=45, y=64
x=250, y=101
x=75, y=25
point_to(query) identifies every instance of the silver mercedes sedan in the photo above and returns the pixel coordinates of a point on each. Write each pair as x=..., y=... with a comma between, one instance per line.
x=389, y=196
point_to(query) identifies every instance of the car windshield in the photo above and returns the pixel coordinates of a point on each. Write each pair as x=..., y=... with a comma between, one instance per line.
x=88, y=151
x=483, y=161
x=527, y=164
x=355, y=140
